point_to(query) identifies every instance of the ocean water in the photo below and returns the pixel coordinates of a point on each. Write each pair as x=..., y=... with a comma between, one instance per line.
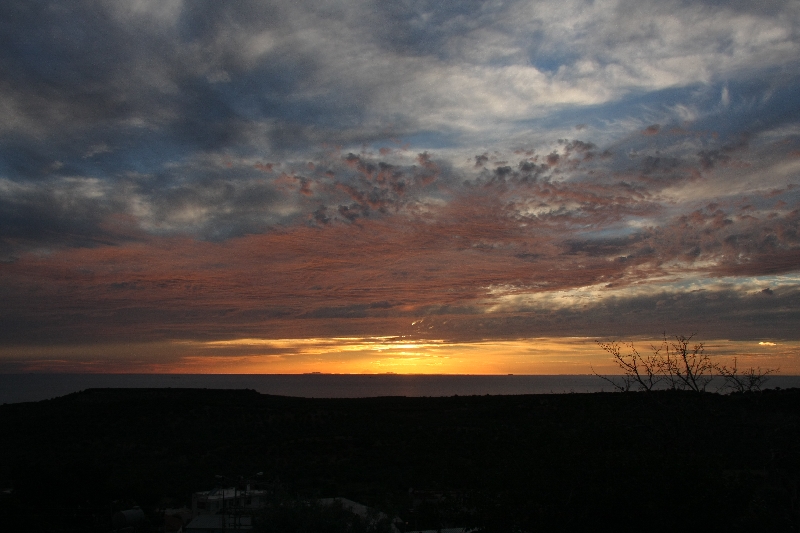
x=16, y=388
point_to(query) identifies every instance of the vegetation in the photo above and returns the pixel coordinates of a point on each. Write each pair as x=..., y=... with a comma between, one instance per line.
x=677, y=364
x=293, y=516
x=505, y=463
x=751, y=379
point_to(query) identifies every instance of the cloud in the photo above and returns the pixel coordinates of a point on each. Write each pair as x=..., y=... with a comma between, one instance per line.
x=652, y=129
x=457, y=251
x=170, y=67
x=231, y=168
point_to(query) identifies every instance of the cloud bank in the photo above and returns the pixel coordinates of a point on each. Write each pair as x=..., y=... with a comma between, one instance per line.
x=199, y=171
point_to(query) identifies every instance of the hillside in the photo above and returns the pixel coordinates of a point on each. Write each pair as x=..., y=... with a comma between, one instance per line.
x=533, y=462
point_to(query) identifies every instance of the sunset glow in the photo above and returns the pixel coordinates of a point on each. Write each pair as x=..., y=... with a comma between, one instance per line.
x=370, y=355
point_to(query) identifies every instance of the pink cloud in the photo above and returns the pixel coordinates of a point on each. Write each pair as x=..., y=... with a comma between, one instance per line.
x=653, y=129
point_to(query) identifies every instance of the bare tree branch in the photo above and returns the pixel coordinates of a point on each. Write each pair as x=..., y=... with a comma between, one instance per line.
x=749, y=380
x=637, y=370
x=683, y=365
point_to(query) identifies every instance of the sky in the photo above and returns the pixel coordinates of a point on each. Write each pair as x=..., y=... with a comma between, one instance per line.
x=410, y=186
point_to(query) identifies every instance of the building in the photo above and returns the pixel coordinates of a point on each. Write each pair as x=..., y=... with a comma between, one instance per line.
x=227, y=500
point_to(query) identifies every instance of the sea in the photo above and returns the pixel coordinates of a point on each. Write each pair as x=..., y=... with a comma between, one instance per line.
x=15, y=388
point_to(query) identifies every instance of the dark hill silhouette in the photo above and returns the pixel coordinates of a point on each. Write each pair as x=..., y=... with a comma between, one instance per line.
x=527, y=462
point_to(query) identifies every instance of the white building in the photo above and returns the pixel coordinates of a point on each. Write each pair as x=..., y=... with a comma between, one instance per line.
x=214, y=501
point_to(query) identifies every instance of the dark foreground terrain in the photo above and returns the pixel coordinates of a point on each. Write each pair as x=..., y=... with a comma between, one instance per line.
x=625, y=461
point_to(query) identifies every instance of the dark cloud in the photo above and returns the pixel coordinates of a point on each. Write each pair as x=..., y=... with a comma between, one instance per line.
x=424, y=27
x=55, y=214
x=446, y=264
x=349, y=311
x=709, y=313
x=154, y=90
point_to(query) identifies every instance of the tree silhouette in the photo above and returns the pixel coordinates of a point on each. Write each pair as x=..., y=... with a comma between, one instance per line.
x=680, y=364
x=748, y=380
